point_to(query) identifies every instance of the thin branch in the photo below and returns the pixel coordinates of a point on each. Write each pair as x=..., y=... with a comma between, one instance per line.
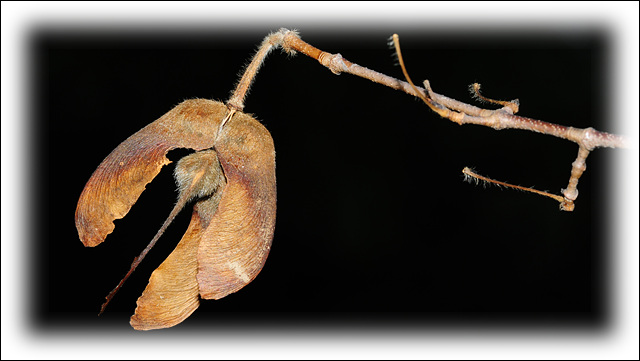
x=496, y=119
x=577, y=168
x=454, y=110
x=242, y=88
x=508, y=106
x=473, y=175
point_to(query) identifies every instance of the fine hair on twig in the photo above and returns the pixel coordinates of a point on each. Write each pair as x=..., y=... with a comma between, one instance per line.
x=471, y=176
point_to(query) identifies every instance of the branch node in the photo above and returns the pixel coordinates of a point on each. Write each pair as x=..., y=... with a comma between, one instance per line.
x=286, y=46
x=334, y=62
x=589, y=138
x=567, y=205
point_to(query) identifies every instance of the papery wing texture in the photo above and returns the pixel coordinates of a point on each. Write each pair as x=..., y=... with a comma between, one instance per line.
x=230, y=234
x=120, y=179
x=235, y=245
x=172, y=293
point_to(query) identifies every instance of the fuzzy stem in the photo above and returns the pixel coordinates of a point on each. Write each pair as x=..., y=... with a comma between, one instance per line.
x=468, y=172
x=237, y=99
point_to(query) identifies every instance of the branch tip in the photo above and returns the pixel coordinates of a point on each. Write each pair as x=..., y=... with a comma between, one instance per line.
x=510, y=107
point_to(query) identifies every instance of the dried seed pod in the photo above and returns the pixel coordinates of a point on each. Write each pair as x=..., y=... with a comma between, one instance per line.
x=230, y=234
x=198, y=175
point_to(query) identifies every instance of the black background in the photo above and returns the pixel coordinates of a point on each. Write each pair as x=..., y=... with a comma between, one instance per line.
x=375, y=225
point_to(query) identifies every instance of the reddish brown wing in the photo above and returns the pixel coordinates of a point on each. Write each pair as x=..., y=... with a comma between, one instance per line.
x=230, y=234
x=172, y=293
x=120, y=179
x=237, y=241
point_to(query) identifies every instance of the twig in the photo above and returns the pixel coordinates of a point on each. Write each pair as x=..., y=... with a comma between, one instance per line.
x=454, y=110
x=473, y=175
x=337, y=64
x=577, y=168
x=242, y=88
